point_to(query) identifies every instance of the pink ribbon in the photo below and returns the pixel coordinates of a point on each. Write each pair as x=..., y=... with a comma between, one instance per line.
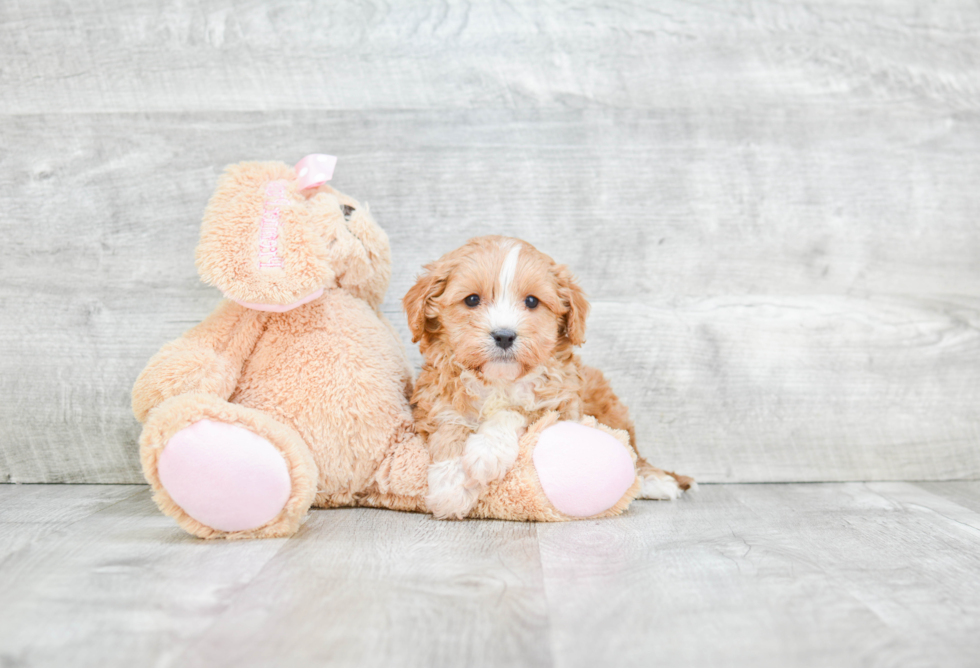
x=314, y=170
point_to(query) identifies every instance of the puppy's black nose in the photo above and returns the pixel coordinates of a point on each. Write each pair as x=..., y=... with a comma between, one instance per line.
x=504, y=338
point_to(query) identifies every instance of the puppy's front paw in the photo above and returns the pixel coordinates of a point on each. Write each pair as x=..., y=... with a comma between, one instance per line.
x=485, y=461
x=492, y=451
x=451, y=494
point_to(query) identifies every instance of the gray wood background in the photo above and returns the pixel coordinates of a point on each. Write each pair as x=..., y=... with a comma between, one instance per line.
x=773, y=206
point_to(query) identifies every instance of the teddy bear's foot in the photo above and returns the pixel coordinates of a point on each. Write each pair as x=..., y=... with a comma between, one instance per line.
x=224, y=470
x=582, y=470
x=224, y=476
x=565, y=471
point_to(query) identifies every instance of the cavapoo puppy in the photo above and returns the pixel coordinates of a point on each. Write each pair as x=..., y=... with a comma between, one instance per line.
x=497, y=321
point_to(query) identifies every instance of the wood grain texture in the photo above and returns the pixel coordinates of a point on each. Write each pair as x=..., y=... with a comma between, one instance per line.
x=798, y=388
x=965, y=493
x=380, y=588
x=120, y=55
x=760, y=576
x=123, y=587
x=771, y=208
x=851, y=574
x=30, y=512
x=57, y=505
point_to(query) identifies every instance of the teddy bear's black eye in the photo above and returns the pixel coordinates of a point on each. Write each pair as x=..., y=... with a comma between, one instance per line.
x=472, y=301
x=531, y=302
x=348, y=210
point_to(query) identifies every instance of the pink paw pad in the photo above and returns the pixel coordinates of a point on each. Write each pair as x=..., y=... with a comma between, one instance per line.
x=583, y=471
x=314, y=170
x=224, y=476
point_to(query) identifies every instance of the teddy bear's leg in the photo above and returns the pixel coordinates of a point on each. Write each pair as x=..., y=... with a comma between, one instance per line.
x=565, y=470
x=401, y=480
x=223, y=470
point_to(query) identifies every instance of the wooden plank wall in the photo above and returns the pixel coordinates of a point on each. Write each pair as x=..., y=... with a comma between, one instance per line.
x=773, y=206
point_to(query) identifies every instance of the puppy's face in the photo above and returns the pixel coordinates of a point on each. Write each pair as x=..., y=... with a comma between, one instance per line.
x=499, y=305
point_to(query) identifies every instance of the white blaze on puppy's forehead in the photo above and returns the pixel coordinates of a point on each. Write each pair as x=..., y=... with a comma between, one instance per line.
x=504, y=312
x=508, y=270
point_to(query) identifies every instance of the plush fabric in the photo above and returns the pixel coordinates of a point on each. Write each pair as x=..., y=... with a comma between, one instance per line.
x=224, y=475
x=582, y=470
x=324, y=385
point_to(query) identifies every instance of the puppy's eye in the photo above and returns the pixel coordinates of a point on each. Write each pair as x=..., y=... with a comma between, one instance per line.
x=472, y=301
x=348, y=210
x=531, y=302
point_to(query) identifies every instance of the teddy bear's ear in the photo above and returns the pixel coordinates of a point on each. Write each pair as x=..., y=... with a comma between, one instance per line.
x=260, y=243
x=422, y=317
x=573, y=297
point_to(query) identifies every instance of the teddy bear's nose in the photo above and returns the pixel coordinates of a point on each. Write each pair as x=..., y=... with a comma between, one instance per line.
x=504, y=337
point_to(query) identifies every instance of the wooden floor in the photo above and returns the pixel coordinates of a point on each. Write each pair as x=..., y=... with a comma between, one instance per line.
x=842, y=574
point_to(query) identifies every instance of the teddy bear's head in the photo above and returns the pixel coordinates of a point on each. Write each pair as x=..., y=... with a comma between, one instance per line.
x=272, y=240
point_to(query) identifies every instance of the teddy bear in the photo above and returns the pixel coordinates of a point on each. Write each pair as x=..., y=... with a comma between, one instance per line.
x=294, y=393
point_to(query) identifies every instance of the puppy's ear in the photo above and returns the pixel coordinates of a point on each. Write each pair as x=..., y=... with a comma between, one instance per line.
x=418, y=300
x=573, y=298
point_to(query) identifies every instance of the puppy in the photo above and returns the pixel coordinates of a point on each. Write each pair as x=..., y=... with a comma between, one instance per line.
x=496, y=321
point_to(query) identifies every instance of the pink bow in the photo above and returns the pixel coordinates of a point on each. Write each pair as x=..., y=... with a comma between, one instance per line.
x=314, y=170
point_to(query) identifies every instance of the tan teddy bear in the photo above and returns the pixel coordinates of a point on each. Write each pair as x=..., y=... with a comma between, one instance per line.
x=294, y=391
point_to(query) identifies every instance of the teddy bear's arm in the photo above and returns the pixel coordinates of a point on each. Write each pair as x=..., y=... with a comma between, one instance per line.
x=208, y=358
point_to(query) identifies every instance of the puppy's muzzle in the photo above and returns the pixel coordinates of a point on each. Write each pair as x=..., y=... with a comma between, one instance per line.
x=504, y=338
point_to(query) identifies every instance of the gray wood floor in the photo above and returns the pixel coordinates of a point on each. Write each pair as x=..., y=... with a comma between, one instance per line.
x=839, y=574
